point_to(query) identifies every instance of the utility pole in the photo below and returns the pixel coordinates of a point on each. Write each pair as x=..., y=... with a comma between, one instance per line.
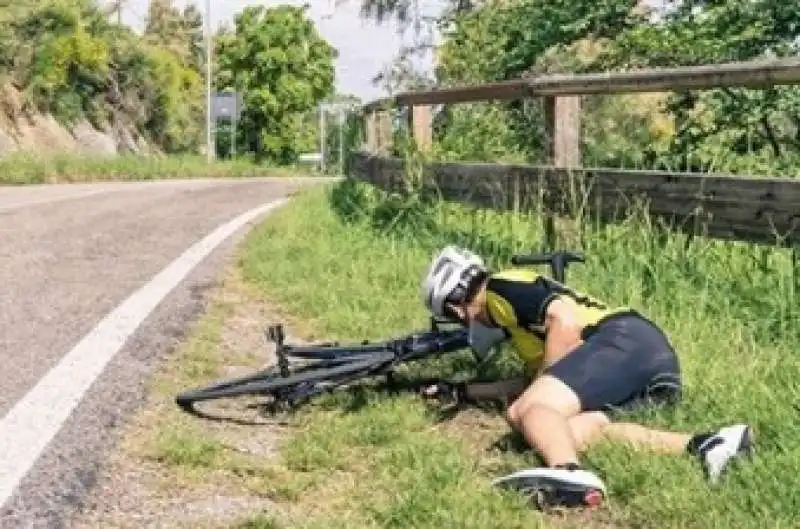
x=340, y=107
x=209, y=59
x=115, y=7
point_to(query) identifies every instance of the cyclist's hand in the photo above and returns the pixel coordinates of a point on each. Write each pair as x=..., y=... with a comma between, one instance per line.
x=436, y=389
x=444, y=390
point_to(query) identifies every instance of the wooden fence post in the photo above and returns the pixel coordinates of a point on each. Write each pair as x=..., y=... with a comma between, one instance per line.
x=563, y=129
x=371, y=132
x=383, y=127
x=421, y=125
x=563, y=125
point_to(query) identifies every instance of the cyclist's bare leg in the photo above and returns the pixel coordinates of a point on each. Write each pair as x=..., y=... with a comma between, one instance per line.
x=542, y=415
x=589, y=428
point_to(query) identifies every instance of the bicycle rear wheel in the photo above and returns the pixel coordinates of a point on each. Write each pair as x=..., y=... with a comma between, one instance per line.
x=269, y=382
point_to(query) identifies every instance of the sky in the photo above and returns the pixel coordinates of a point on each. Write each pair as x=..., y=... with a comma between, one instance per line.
x=365, y=48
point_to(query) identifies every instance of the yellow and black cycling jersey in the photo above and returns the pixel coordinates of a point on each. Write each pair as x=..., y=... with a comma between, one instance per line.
x=517, y=300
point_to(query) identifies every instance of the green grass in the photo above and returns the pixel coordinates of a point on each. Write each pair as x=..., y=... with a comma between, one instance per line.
x=182, y=449
x=30, y=169
x=260, y=521
x=348, y=263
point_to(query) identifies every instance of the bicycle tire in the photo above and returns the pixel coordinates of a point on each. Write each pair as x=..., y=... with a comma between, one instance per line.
x=234, y=388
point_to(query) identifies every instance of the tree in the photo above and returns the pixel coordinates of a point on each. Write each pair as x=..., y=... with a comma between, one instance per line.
x=162, y=25
x=532, y=27
x=506, y=40
x=192, y=27
x=722, y=129
x=179, y=32
x=67, y=58
x=283, y=68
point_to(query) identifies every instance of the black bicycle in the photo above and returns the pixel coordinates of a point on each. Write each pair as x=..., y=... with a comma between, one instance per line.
x=331, y=365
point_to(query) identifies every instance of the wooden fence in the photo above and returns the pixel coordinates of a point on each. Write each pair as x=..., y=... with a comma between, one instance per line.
x=757, y=210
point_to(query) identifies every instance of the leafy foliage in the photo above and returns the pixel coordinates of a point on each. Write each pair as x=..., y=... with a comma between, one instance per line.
x=733, y=129
x=532, y=27
x=473, y=47
x=504, y=40
x=72, y=61
x=276, y=58
x=179, y=32
x=739, y=130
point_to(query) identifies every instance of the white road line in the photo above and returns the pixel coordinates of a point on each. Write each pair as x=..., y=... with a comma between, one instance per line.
x=35, y=419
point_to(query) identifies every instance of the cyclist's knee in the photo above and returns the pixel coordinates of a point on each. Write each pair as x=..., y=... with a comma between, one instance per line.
x=524, y=411
x=513, y=416
x=547, y=393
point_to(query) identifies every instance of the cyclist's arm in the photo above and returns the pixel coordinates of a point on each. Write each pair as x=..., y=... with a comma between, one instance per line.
x=563, y=329
x=541, y=308
x=506, y=389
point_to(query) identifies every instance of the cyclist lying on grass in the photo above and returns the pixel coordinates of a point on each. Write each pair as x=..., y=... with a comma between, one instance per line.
x=590, y=360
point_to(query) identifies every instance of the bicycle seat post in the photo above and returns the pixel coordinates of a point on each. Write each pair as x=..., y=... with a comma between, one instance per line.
x=276, y=334
x=559, y=267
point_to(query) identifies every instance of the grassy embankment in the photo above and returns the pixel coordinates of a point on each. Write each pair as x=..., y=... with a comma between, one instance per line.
x=348, y=265
x=28, y=169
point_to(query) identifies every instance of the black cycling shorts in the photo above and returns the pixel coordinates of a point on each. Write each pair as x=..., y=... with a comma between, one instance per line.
x=626, y=363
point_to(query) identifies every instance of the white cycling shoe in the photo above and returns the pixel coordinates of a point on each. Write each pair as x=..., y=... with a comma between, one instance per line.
x=717, y=452
x=556, y=487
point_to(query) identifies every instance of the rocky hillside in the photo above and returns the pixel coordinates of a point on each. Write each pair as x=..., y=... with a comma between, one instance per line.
x=24, y=131
x=73, y=80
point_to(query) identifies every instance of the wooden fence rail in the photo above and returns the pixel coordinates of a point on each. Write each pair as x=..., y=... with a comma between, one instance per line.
x=758, y=210
x=751, y=74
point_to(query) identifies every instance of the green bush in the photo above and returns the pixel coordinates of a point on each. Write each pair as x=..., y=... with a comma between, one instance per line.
x=72, y=61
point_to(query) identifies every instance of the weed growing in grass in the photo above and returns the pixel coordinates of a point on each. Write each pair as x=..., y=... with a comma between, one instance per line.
x=730, y=309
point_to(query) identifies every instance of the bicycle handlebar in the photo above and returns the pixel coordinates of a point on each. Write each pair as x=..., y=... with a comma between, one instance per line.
x=546, y=258
x=558, y=261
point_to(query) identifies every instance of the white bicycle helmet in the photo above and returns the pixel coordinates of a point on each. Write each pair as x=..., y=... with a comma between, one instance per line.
x=449, y=277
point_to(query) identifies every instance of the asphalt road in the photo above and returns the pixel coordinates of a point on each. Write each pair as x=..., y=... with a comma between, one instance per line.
x=70, y=255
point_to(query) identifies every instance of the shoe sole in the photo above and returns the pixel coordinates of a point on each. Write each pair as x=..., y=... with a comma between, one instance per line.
x=546, y=493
